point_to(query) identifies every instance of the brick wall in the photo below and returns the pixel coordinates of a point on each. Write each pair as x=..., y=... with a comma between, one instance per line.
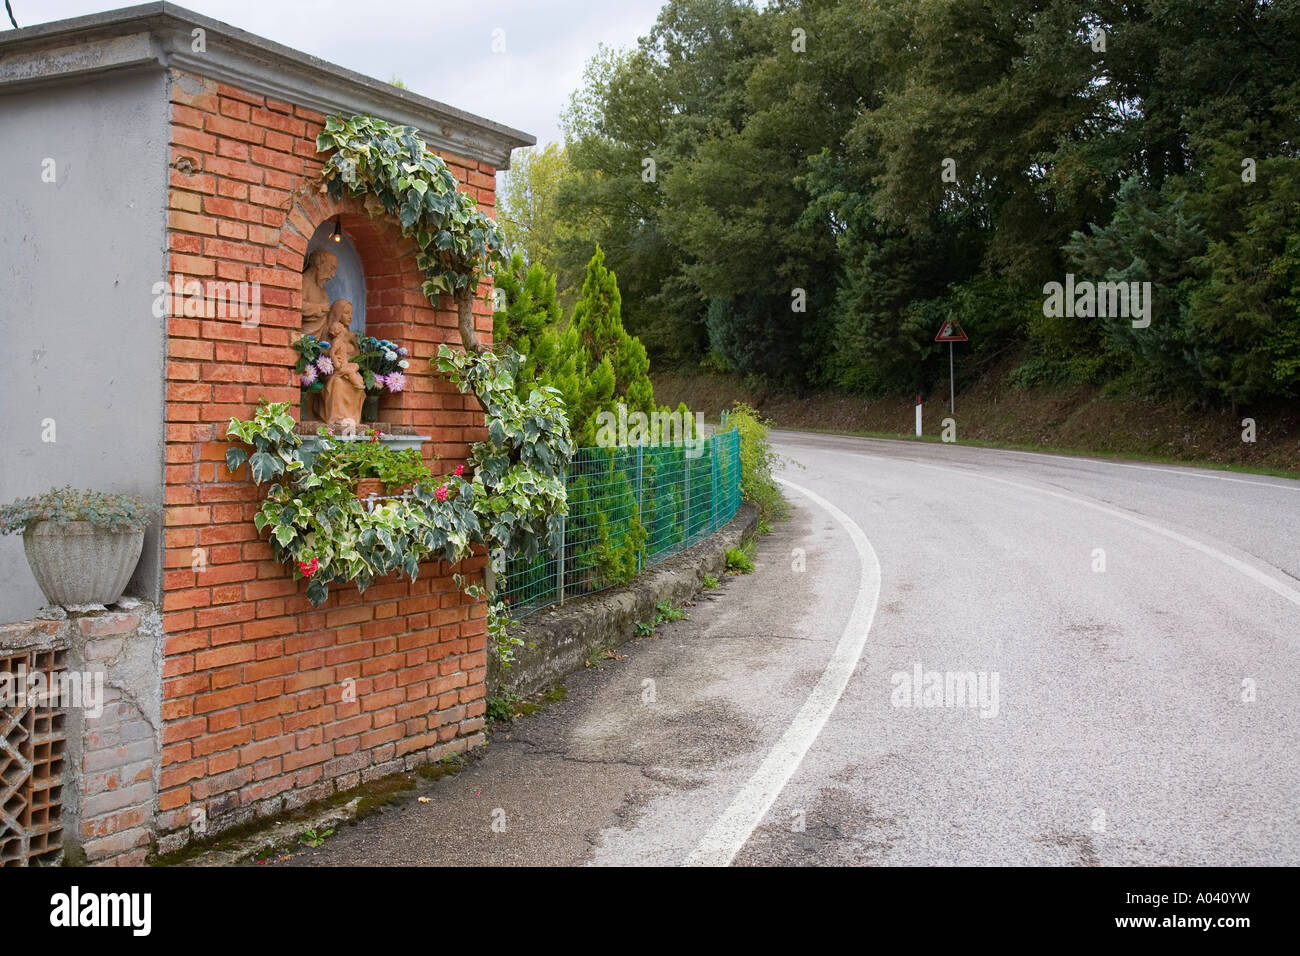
x=254, y=678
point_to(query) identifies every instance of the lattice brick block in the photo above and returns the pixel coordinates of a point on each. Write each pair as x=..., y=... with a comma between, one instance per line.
x=32, y=741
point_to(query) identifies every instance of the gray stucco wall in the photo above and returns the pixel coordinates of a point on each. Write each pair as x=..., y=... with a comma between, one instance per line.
x=78, y=261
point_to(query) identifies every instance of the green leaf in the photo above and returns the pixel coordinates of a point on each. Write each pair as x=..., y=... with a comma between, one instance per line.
x=264, y=466
x=317, y=591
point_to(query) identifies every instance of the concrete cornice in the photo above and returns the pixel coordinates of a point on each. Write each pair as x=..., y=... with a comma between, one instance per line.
x=160, y=35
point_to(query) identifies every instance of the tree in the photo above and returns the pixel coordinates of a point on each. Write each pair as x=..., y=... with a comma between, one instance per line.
x=527, y=204
x=888, y=165
x=591, y=359
x=637, y=114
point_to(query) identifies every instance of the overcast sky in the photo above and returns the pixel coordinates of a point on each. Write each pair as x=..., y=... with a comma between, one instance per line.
x=438, y=48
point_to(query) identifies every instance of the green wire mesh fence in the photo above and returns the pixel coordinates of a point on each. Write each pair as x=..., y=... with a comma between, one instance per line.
x=630, y=507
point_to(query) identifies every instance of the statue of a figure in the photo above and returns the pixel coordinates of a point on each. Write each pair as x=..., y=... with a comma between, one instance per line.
x=315, y=300
x=342, y=340
x=343, y=396
x=339, y=403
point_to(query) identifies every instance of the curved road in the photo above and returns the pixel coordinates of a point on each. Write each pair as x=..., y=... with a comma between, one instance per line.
x=1146, y=713
x=1129, y=636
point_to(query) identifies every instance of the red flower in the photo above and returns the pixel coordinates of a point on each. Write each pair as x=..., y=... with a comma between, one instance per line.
x=441, y=493
x=460, y=470
x=308, y=568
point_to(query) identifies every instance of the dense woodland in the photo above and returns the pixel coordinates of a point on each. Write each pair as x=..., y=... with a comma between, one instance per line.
x=738, y=155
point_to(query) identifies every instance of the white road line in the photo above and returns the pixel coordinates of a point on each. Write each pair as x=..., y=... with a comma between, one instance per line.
x=729, y=833
x=1278, y=587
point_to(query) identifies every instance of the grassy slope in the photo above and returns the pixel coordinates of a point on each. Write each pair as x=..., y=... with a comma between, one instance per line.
x=1079, y=420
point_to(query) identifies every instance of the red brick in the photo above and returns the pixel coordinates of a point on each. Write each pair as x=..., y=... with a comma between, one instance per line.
x=285, y=124
x=234, y=92
x=223, y=699
x=232, y=129
x=235, y=109
x=231, y=169
x=223, y=657
x=304, y=758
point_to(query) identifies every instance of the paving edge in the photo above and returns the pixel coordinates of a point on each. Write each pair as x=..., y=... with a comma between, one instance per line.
x=276, y=837
x=561, y=638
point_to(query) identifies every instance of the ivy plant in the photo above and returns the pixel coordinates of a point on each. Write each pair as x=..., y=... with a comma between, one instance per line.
x=275, y=443
x=515, y=501
x=319, y=527
x=513, y=504
x=389, y=168
x=519, y=468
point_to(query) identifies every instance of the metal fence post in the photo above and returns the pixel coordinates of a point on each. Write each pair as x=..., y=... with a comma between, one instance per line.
x=713, y=481
x=686, y=498
x=640, y=472
x=560, y=558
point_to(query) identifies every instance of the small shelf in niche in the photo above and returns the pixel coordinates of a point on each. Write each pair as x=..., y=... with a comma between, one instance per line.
x=396, y=437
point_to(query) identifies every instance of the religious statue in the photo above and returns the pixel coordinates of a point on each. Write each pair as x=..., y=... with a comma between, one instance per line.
x=339, y=403
x=321, y=267
x=343, y=396
x=342, y=340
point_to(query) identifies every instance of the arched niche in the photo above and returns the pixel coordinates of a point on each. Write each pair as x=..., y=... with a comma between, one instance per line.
x=349, y=281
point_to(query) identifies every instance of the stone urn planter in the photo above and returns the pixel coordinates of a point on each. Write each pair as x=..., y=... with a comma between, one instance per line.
x=82, y=546
x=79, y=563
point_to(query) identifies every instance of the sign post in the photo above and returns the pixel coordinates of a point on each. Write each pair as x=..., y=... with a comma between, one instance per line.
x=951, y=332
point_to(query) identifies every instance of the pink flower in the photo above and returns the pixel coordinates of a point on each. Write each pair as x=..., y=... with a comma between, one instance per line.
x=460, y=470
x=441, y=493
x=309, y=376
x=395, y=382
x=325, y=365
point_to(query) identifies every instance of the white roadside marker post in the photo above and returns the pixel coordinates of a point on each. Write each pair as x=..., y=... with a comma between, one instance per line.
x=918, y=416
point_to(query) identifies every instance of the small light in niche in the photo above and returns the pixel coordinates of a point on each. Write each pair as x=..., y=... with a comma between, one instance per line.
x=338, y=235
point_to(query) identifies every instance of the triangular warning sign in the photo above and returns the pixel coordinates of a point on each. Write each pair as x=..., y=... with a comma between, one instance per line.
x=951, y=331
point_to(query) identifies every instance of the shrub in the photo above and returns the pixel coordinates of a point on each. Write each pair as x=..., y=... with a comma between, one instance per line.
x=756, y=463
x=593, y=361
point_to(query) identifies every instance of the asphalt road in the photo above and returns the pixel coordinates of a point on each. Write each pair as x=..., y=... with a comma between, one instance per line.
x=948, y=655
